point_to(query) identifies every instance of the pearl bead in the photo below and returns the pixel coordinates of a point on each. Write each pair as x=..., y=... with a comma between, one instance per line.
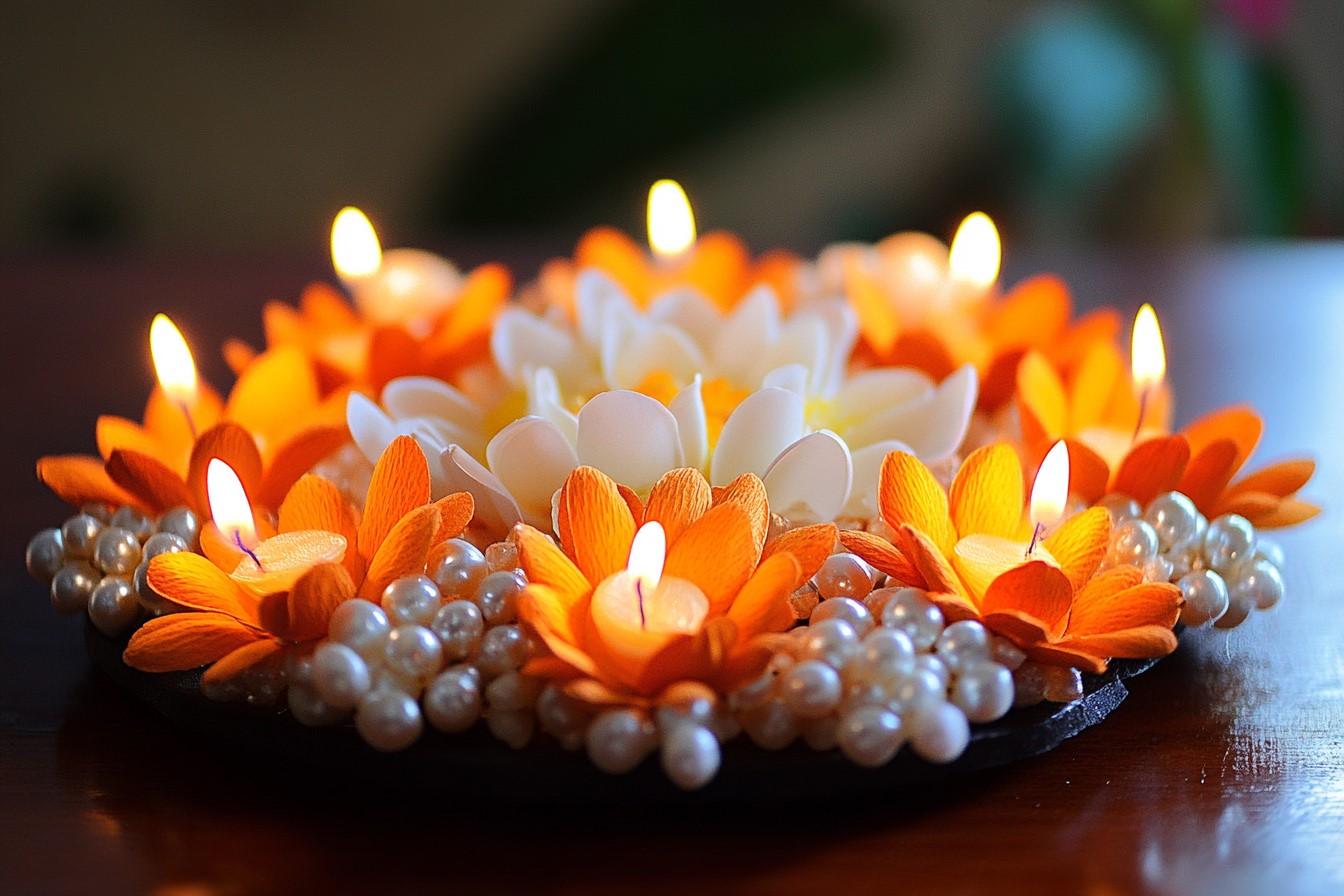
x=831, y=641
x=1007, y=654
x=884, y=653
x=928, y=662
x=502, y=556
x=497, y=597
x=1206, y=597
x=1240, y=602
x=864, y=693
x=182, y=522
x=916, y=691
x=1132, y=541
x=72, y=587
x=1271, y=551
x=1029, y=682
x=684, y=701
x=770, y=726
x=1173, y=517
x=310, y=709
x=45, y=555
x=983, y=690
x=1261, y=578
x=262, y=685
x=514, y=728
x=459, y=626
x=869, y=736
x=163, y=543
x=843, y=575
x=910, y=610
x=99, y=511
x=1156, y=569
x=453, y=700
x=362, y=626
x=1062, y=685
x=963, y=642
x=388, y=719
x=413, y=652
x=1121, y=507
x=1228, y=539
x=753, y=693
x=561, y=716
x=690, y=756
x=503, y=649
x=113, y=606
x=153, y=602
x=116, y=551
x=811, y=689
x=341, y=677
x=1186, y=560
x=133, y=521
x=941, y=734
x=513, y=691
x=619, y=739
x=848, y=609
x=299, y=668
x=79, y=534
x=411, y=600
x=460, y=571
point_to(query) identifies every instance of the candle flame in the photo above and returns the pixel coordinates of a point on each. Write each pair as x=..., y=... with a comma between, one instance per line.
x=975, y=254
x=173, y=364
x=229, y=507
x=355, y=251
x=648, y=550
x=671, y=224
x=1147, y=358
x=1050, y=491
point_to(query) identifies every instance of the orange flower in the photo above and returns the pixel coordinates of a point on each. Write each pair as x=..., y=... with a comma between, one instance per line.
x=235, y=629
x=717, y=265
x=716, y=540
x=272, y=430
x=1032, y=603
x=347, y=350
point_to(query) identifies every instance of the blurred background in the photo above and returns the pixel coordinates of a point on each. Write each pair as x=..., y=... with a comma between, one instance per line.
x=241, y=124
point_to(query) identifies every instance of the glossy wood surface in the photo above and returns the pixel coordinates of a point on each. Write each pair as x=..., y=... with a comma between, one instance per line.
x=1222, y=773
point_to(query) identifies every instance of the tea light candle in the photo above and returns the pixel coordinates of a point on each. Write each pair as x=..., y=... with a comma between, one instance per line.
x=1148, y=367
x=401, y=287
x=637, y=610
x=972, y=261
x=174, y=366
x=981, y=558
x=273, y=565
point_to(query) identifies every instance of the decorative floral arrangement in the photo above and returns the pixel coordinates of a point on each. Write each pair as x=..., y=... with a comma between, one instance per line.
x=646, y=503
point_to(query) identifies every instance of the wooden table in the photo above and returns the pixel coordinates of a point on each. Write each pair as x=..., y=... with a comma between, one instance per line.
x=1222, y=773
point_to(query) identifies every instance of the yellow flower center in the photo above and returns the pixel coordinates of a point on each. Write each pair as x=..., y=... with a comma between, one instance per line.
x=720, y=397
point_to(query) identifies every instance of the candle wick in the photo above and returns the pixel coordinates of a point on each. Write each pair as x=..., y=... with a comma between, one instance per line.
x=1143, y=409
x=238, y=540
x=191, y=424
x=639, y=595
x=1035, y=538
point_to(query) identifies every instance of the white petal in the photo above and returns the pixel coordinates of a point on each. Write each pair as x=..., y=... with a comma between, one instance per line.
x=801, y=341
x=791, y=376
x=544, y=400
x=596, y=297
x=425, y=396
x=762, y=426
x=949, y=414
x=659, y=349
x=877, y=405
x=522, y=341
x=371, y=429
x=496, y=510
x=630, y=437
x=753, y=325
x=867, y=463
x=689, y=409
x=842, y=331
x=689, y=311
x=810, y=480
x=532, y=458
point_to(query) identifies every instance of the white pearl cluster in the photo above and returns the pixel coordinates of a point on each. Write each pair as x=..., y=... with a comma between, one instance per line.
x=1223, y=567
x=97, y=560
x=444, y=648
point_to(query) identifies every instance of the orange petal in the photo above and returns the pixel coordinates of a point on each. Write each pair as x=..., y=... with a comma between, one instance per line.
x=1239, y=423
x=1055, y=655
x=274, y=393
x=596, y=693
x=325, y=309
x=77, y=479
x=561, y=613
x=1032, y=314
x=296, y=456
x=1101, y=612
x=932, y=566
x=1080, y=544
x=717, y=553
x=314, y=597
x=876, y=314
x=232, y=444
x=809, y=545
x=1280, y=479
x=1154, y=467
x=403, y=552
x=392, y=353
x=546, y=564
x=909, y=495
x=881, y=554
x=400, y=484
x=600, y=521
x=1208, y=473
x=1094, y=381
x=119, y=434
x=244, y=658
x=185, y=641
x=1089, y=474
x=315, y=503
x=1288, y=512
x=763, y=603
x=987, y=494
x=1018, y=626
x=168, y=423
x=678, y=499
x=1136, y=643
x=954, y=606
x=455, y=512
x=238, y=354
x=617, y=255
x=745, y=662
x=191, y=580
x=1040, y=392
x=157, y=487
x=748, y=491
x=999, y=385
x=1036, y=589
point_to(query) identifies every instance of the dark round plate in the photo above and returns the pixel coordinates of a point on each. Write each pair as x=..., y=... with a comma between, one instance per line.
x=474, y=764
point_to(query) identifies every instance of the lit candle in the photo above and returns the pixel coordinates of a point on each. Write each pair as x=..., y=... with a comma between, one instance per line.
x=974, y=257
x=981, y=558
x=174, y=366
x=638, y=610
x=1147, y=359
x=670, y=221
x=404, y=287
x=273, y=565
